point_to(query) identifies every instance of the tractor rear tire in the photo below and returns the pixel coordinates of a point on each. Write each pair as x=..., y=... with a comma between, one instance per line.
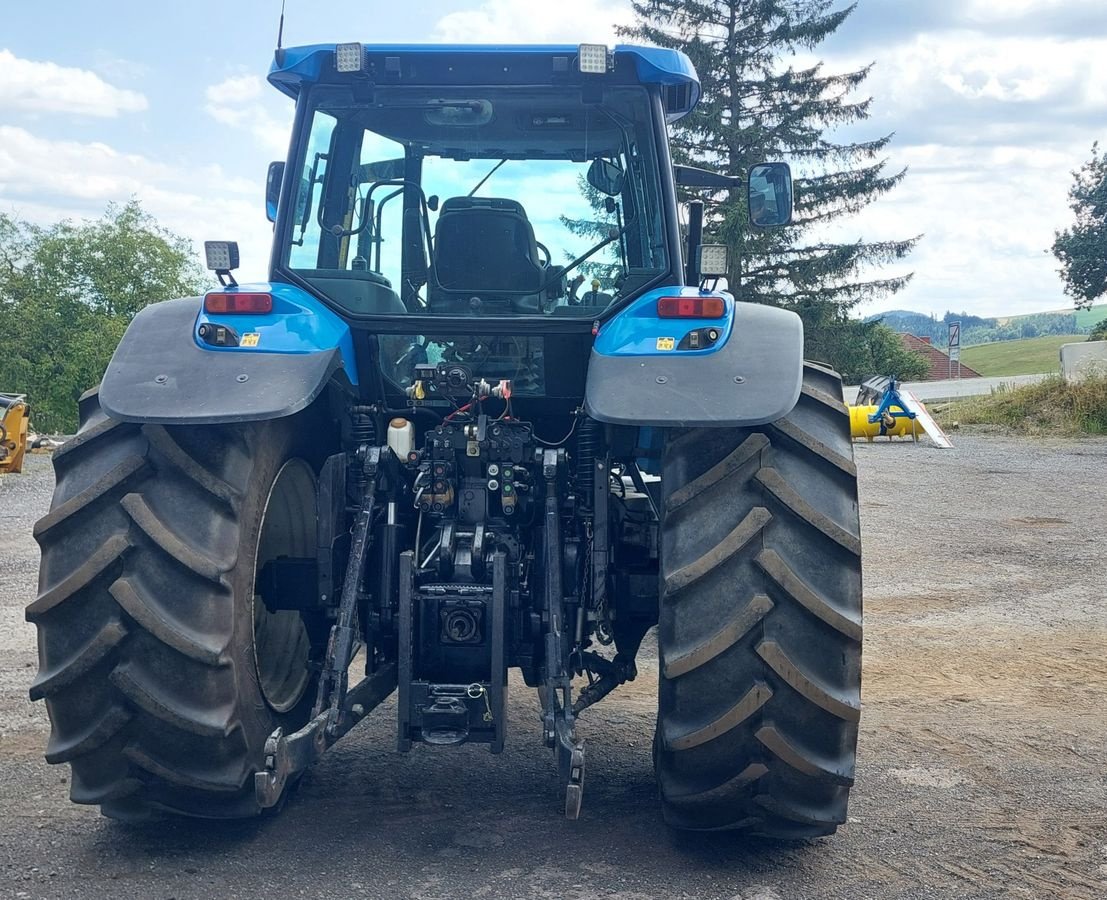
x=760, y=622
x=162, y=673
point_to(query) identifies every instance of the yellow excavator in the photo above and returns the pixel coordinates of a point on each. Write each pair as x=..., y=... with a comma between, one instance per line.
x=13, y=432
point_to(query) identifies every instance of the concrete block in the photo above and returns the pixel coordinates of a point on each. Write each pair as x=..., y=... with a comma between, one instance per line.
x=1079, y=361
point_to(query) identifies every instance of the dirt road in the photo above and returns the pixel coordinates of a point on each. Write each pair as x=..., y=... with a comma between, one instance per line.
x=982, y=768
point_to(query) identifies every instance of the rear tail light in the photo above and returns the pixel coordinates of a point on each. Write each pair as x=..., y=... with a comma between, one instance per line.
x=238, y=302
x=691, y=308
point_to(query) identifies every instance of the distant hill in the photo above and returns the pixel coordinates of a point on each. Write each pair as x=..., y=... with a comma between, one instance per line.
x=1087, y=319
x=980, y=330
x=1025, y=357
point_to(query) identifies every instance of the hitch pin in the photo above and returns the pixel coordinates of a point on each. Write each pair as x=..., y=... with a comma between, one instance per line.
x=475, y=692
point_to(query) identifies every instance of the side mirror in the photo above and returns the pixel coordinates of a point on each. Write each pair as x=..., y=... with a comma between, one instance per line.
x=606, y=176
x=769, y=194
x=273, y=181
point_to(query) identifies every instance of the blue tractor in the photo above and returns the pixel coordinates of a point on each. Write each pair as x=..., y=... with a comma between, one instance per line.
x=422, y=454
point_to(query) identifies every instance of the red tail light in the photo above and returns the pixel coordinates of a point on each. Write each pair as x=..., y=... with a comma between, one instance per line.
x=691, y=308
x=237, y=303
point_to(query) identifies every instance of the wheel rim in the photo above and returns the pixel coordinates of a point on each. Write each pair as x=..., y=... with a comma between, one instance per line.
x=282, y=648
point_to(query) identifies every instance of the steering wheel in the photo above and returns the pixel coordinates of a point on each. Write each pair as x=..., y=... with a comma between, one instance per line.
x=545, y=252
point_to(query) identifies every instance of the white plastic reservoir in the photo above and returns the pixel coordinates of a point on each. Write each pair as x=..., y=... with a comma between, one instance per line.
x=401, y=437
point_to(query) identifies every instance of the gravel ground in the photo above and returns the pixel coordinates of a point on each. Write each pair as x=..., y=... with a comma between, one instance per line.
x=982, y=767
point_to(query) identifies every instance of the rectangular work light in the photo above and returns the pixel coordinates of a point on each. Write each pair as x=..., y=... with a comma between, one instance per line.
x=349, y=57
x=713, y=259
x=221, y=256
x=592, y=59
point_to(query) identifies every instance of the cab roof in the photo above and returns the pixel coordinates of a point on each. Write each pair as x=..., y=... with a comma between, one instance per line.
x=506, y=64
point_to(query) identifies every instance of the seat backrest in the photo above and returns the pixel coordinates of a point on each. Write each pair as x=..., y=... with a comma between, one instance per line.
x=484, y=246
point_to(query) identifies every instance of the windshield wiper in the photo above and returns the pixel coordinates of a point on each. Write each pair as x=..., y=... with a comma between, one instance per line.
x=486, y=177
x=607, y=241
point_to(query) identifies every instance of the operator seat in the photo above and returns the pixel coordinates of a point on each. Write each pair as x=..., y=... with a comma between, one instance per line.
x=483, y=247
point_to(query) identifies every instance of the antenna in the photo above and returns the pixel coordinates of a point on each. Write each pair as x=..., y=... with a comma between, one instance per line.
x=280, y=36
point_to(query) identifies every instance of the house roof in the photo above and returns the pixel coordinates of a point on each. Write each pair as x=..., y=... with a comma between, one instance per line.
x=939, y=362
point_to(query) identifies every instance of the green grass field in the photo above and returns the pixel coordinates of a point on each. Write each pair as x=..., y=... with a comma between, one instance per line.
x=1089, y=318
x=1028, y=357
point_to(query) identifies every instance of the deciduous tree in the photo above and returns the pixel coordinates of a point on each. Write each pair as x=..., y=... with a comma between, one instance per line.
x=1082, y=248
x=67, y=294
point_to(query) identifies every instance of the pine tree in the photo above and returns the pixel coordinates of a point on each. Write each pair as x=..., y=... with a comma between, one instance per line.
x=754, y=108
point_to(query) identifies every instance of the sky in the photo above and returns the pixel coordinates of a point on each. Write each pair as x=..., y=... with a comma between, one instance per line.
x=993, y=104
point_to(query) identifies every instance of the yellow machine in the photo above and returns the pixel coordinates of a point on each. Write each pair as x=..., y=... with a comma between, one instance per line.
x=886, y=410
x=13, y=432
x=887, y=426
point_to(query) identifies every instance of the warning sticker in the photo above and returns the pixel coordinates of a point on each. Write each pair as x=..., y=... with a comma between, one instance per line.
x=666, y=343
x=250, y=339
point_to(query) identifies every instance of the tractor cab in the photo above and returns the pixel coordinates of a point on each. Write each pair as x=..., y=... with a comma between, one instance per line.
x=457, y=182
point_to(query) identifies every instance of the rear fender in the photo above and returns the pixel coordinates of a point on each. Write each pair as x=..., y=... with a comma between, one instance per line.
x=162, y=371
x=639, y=375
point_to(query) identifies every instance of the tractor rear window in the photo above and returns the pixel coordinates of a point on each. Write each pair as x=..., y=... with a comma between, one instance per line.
x=482, y=201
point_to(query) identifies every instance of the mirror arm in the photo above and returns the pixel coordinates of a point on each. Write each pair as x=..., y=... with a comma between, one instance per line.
x=695, y=238
x=690, y=176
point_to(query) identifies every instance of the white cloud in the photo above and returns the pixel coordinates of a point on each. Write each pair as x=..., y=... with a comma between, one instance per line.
x=991, y=127
x=236, y=89
x=987, y=216
x=241, y=101
x=534, y=21
x=37, y=87
x=30, y=165
x=116, y=68
x=1006, y=77
x=46, y=180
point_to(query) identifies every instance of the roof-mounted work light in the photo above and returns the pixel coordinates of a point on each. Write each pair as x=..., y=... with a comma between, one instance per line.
x=592, y=59
x=349, y=57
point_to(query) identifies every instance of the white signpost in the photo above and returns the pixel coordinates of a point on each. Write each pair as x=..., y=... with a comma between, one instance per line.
x=954, y=347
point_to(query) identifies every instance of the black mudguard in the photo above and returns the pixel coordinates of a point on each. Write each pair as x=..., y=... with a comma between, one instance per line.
x=753, y=379
x=159, y=374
